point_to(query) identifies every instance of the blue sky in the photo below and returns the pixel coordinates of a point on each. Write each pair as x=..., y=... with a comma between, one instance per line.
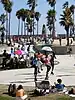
x=42, y=7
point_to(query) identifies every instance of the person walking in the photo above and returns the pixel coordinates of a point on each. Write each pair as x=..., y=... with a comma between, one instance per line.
x=48, y=65
x=70, y=51
x=34, y=63
x=52, y=61
x=5, y=54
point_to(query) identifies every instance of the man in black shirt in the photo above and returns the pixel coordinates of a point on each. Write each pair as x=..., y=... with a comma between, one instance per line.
x=52, y=61
x=4, y=58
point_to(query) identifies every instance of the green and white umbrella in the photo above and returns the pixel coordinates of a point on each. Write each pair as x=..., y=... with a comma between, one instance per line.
x=46, y=48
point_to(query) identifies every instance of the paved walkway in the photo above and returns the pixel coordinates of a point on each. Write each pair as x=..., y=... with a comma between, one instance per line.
x=64, y=70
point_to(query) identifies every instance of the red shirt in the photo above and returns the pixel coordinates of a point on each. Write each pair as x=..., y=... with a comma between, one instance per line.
x=39, y=56
x=47, y=60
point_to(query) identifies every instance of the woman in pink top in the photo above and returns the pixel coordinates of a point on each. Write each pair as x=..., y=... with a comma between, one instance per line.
x=48, y=65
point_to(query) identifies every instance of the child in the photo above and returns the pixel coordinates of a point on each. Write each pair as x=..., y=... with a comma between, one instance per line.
x=59, y=86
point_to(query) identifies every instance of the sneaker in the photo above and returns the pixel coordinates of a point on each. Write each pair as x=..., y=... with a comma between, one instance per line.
x=52, y=73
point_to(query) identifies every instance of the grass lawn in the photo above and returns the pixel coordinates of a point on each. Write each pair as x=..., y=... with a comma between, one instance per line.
x=6, y=98
x=48, y=97
x=52, y=96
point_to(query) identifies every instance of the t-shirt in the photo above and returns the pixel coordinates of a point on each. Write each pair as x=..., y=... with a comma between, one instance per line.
x=20, y=93
x=60, y=86
x=34, y=61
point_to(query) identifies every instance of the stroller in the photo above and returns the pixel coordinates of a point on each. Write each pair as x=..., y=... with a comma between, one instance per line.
x=42, y=88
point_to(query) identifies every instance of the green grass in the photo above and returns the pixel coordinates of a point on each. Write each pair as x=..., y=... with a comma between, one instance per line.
x=6, y=98
x=48, y=97
x=29, y=91
x=53, y=97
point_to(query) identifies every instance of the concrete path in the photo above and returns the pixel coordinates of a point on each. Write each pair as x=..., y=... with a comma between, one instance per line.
x=64, y=70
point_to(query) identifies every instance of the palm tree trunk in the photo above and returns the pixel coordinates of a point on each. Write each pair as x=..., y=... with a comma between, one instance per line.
x=18, y=26
x=21, y=28
x=53, y=34
x=9, y=24
x=37, y=27
x=73, y=22
x=67, y=36
x=24, y=28
x=6, y=26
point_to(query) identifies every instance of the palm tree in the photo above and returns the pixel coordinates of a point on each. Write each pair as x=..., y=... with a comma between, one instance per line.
x=32, y=4
x=72, y=7
x=18, y=16
x=50, y=17
x=5, y=2
x=2, y=18
x=22, y=18
x=8, y=8
x=29, y=23
x=66, y=20
x=24, y=14
x=65, y=5
x=2, y=28
x=52, y=4
x=37, y=16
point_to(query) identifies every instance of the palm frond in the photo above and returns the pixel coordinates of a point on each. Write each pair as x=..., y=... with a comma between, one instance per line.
x=65, y=5
x=62, y=23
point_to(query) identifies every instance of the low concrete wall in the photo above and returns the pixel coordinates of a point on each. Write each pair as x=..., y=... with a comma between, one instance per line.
x=63, y=49
x=60, y=50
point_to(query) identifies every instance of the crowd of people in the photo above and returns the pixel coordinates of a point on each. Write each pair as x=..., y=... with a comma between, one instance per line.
x=42, y=89
x=37, y=61
x=27, y=57
x=45, y=88
x=30, y=39
x=23, y=55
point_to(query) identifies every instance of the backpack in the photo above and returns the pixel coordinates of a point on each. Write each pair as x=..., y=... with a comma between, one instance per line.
x=10, y=89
